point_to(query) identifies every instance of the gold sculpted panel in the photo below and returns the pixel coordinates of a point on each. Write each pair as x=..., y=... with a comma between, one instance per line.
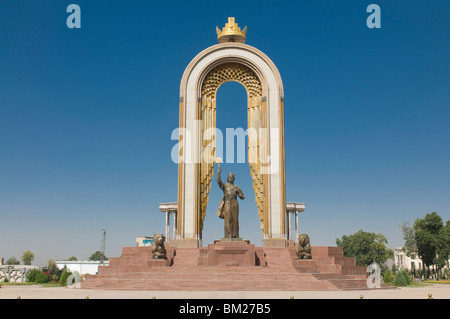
x=215, y=78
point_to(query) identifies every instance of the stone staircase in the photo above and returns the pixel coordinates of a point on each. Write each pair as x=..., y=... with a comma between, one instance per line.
x=211, y=278
x=188, y=257
x=188, y=269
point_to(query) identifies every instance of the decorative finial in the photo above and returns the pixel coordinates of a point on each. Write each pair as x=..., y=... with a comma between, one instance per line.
x=231, y=32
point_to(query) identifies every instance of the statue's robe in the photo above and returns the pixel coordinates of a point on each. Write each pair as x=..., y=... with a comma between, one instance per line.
x=229, y=208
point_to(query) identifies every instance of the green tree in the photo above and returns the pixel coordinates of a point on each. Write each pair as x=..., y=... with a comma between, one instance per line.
x=51, y=266
x=12, y=261
x=73, y=258
x=37, y=276
x=426, y=233
x=54, y=271
x=400, y=279
x=366, y=248
x=64, y=275
x=98, y=255
x=388, y=277
x=27, y=257
x=406, y=275
x=394, y=268
x=443, y=245
x=410, y=247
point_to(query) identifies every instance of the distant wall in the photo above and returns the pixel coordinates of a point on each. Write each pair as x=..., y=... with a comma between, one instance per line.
x=16, y=273
x=83, y=267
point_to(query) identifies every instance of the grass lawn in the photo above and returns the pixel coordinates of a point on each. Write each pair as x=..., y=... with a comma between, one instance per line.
x=443, y=282
x=49, y=284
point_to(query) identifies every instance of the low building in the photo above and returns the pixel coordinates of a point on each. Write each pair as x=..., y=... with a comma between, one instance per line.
x=144, y=241
x=83, y=267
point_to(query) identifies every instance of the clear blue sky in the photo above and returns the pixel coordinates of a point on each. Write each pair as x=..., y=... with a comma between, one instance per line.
x=86, y=117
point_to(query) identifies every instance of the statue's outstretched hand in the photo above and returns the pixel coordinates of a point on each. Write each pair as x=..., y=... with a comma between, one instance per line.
x=218, y=160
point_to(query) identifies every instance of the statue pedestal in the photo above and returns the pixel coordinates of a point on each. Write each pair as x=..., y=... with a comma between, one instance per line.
x=231, y=252
x=185, y=243
x=230, y=239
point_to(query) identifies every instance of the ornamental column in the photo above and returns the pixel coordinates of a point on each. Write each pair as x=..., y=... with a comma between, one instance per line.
x=168, y=208
x=294, y=209
x=167, y=232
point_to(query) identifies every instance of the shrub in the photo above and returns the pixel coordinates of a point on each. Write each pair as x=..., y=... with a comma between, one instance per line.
x=31, y=275
x=388, y=277
x=407, y=278
x=41, y=278
x=400, y=280
x=37, y=276
x=63, y=279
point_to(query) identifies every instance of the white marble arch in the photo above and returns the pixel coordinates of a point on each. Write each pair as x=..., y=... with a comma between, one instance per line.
x=189, y=234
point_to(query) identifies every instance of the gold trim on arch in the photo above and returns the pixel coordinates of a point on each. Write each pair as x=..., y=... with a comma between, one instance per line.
x=202, y=72
x=220, y=74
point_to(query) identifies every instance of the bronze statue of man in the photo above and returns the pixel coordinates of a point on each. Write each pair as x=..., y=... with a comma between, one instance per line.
x=229, y=206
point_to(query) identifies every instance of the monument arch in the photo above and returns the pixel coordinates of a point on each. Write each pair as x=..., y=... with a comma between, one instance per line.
x=231, y=263
x=231, y=60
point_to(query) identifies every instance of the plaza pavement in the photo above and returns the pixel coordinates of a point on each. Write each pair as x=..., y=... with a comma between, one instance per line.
x=37, y=292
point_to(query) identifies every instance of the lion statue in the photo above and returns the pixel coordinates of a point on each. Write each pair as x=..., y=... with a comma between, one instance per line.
x=304, y=247
x=158, y=250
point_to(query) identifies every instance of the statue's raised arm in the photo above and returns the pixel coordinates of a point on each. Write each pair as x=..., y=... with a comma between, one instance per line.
x=219, y=180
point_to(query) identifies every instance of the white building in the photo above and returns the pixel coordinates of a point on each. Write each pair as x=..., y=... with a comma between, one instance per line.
x=83, y=267
x=404, y=262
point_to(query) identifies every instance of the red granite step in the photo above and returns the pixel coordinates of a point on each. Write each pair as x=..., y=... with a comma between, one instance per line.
x=210, y=281
x=186, y=257
x=192, y=269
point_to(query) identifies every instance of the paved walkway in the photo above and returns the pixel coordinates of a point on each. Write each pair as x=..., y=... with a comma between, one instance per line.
x=37, y=292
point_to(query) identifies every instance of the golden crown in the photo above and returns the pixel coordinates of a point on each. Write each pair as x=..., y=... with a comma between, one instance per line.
x=231, y=32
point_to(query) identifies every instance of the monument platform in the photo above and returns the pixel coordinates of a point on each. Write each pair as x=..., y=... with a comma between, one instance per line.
x=230, y=265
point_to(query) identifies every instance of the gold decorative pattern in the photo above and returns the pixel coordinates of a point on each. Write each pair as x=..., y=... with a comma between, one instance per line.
x=214, y=79
x=231, y=72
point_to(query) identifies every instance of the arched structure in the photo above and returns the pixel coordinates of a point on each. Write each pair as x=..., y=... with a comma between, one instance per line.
x=231, y=60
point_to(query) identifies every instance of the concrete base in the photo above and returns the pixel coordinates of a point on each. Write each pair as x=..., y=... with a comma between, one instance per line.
x=185, y=243
x=291, y=243
x=275, y=243
x=229, y=239
x=231, y=252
